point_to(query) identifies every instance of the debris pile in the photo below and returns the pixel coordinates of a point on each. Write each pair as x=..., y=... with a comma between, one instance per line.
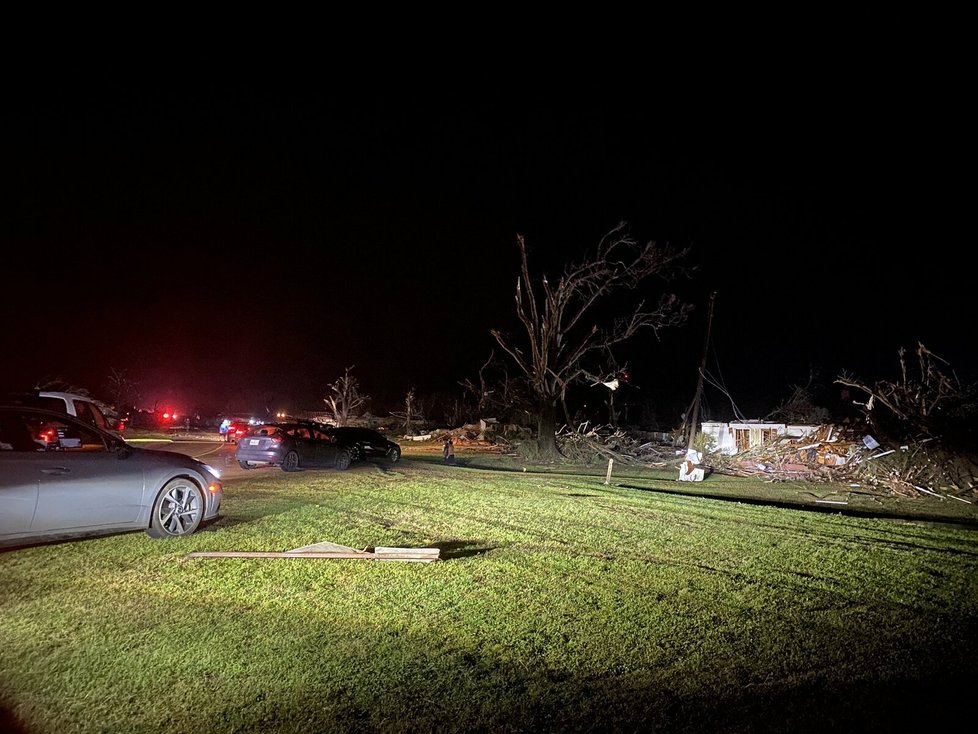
x=478, y=436
x=590, y=445
x=833, y=454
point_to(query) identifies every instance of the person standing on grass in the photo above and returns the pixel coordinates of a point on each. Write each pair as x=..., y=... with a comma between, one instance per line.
x=449, y=450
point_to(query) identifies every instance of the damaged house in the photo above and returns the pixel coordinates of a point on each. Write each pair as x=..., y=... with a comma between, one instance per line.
x=736, y=438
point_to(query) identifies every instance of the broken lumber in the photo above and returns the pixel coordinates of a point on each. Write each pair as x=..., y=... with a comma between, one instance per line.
x=409, y=555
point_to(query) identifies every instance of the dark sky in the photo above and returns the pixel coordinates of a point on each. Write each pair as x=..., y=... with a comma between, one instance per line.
x=232, y=241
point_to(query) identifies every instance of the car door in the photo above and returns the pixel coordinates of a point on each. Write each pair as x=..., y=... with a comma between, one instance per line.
x=326, y=449
x=18, y=493
x=18, y=475
x=84, y=484
x=305, y=445
x=372, y=444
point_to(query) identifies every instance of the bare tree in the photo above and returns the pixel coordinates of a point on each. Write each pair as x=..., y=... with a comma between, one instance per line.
x=345, y=401
x=927, y=402
x=483, y=391
x=453, y=411
x=410, y=414
x=561, y=325
x=927, y=417
x=122, y=390
x=497, y=394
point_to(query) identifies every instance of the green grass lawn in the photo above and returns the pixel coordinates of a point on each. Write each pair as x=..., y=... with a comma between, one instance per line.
x=560, y=603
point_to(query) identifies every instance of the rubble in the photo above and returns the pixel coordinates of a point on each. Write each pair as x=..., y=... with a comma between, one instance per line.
x=473, y=436
x=834, y=454
x=831, y=454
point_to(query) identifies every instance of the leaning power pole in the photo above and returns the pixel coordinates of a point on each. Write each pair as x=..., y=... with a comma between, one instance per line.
x=695, y=411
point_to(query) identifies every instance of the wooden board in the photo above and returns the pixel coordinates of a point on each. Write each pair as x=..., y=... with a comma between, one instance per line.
x=411, y=555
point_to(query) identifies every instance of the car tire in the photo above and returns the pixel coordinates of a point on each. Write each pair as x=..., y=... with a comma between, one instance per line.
x=177, y=510
x=290, y=462
x=394, y=455
x=244, y=465
x=343, y=460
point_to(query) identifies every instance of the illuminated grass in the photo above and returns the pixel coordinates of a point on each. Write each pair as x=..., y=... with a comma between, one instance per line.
x=561, y=604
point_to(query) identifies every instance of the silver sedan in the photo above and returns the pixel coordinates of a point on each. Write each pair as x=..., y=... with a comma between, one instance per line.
x=61, y=477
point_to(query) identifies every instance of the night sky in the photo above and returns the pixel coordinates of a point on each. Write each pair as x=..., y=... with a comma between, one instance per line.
x=235, y=242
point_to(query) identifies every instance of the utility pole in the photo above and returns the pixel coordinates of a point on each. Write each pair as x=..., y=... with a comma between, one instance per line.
x=695, y=411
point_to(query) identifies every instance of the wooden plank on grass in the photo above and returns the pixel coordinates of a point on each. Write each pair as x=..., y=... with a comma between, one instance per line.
x=272, y=554
x=414, y=555
x=420, y=555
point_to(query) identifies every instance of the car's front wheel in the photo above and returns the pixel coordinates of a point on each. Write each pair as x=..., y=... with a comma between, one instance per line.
x=177, y=511
x=343, y=460
x=394, y=455
x=290, y=462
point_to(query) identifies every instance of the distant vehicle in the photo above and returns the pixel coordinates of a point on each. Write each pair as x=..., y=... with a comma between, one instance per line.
x=61, y=477
x=235, y=429
x=145, y=420
x=296, y=445
x=81, y=406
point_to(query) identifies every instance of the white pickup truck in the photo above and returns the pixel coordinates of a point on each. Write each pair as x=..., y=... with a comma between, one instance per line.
x=81, y=406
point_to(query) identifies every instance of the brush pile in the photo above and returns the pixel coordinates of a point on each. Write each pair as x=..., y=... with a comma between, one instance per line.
x=590, y=445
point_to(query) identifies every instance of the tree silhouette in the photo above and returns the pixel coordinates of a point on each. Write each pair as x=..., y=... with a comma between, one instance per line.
x=561, y=320
x=411, y=413
x=345, y=401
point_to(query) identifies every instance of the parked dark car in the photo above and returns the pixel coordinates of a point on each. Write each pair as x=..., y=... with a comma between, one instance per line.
x=61, y=477
x=300, y=444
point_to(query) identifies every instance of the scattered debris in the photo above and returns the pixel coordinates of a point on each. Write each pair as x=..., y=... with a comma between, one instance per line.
x=831, y=453
x=843, y=456
x=690, y=469
x=478, y=437
x=915, y=436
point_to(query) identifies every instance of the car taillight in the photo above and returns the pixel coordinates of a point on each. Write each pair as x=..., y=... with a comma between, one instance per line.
x=276, y=439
